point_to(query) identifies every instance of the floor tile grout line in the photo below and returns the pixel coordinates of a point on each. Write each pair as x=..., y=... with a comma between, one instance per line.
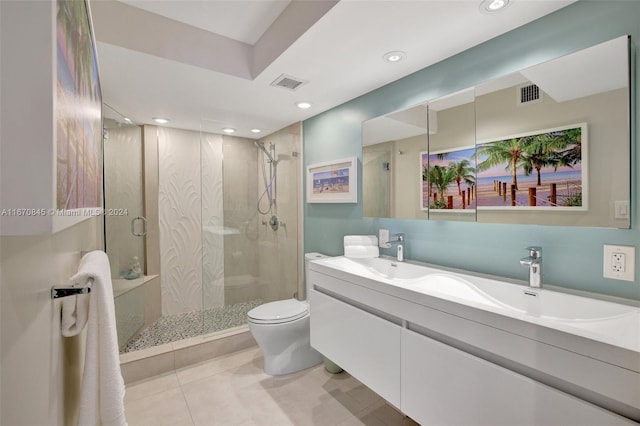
x=141, y=382
x=184, y=397
x=224, y=369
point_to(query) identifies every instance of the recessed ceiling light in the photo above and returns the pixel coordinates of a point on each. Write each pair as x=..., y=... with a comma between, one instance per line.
x=491, y=6
x=127, y=119
x=161, y=120
x=394, y=56
x=303, y=105
x=256, y=130
x=229, y=130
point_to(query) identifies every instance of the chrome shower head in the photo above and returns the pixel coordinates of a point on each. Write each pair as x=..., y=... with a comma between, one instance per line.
x=260, y=146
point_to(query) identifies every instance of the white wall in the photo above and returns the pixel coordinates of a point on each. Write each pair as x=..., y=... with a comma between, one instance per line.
x=40, y=368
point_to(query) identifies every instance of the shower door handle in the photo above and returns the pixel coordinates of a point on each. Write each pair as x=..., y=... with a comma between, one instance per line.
x=144, y=226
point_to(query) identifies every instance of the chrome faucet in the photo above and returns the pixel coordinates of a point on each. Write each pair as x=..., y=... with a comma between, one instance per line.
x=534, y=263
x=399, y=242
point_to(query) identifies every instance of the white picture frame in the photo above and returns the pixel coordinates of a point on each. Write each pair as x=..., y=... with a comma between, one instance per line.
x=333, y=181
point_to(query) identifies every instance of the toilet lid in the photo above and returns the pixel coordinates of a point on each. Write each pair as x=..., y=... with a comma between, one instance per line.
x=278, y=312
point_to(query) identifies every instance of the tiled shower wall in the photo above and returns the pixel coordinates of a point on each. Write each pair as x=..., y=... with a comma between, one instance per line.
x=279, y=252
x=206, y=209
x=180, y=217
x=215, y=249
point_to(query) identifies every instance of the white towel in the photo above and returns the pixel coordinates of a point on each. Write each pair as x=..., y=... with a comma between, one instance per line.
x=102, y=389
x=75, y=311
x=361, y=252
x=360, y=240
x=361, y=246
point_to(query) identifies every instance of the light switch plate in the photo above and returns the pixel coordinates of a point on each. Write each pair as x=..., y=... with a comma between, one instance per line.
x=619, y=262
x=621, y=209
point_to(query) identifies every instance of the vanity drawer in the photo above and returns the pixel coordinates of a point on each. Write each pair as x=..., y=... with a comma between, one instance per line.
x=442, y=385
x=365, y=345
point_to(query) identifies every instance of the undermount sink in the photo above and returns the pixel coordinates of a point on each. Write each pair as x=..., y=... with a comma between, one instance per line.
x=380, y=268
x=542, y=306
x=543, y=303
x=457, y=287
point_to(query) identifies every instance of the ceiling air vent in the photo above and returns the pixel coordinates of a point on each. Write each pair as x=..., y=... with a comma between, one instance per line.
x=529, y=94
x=288, y=82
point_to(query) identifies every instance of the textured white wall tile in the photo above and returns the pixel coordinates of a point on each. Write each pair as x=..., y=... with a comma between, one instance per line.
x=180, y=204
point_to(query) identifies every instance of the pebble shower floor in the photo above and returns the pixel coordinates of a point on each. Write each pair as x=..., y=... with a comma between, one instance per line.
x=182, y=326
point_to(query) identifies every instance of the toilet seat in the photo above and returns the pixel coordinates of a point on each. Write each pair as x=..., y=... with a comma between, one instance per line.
x=278, y=312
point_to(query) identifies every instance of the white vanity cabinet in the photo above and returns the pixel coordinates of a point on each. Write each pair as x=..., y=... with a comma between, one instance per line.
x=446, y=363
x=442, y=385
x=367, y=346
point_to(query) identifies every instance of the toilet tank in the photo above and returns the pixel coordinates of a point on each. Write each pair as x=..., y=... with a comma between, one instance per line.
x=308, y=257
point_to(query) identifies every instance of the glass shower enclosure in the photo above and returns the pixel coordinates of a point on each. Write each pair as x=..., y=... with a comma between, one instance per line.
x=125, y=225
x=220, y=253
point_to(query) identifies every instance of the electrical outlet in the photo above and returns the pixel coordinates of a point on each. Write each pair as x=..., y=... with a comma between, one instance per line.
x=383, y=237
x=619, y=262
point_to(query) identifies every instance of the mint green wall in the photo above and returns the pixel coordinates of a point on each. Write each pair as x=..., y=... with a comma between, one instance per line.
x=572, y=255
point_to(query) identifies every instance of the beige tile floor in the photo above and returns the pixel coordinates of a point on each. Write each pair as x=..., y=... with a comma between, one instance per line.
x=234, y=390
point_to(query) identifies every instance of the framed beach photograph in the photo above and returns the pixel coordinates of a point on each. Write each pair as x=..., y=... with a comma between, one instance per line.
x=539, y=170
x=448, y=180
x=333, y=181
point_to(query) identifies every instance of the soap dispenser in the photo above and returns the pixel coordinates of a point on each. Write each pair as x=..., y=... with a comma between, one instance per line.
x=134, y=271
x=135, y=265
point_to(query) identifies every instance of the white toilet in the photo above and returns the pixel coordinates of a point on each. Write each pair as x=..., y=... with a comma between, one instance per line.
x=282, y=331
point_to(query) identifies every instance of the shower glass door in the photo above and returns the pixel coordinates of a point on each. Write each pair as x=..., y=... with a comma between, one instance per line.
x=125, y=225
x=249, y=257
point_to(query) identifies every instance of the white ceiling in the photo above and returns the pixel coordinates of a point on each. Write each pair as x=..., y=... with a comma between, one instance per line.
x=210, y=63
x=242, y=20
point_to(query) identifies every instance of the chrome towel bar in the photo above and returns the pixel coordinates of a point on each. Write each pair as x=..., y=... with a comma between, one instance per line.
x=58, y=291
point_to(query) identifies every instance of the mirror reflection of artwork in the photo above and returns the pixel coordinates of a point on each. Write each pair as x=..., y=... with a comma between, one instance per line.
x=78, y=110
x=544, y=169
x=587, y=86
x=449, y=179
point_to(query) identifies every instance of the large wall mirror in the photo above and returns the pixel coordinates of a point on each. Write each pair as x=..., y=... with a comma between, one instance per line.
x=549, y=145
x=391, y=166
x=449, y=168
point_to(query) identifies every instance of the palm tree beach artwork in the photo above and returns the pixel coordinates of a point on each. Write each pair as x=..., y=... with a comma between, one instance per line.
x=448, y=179
x=542, y=169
